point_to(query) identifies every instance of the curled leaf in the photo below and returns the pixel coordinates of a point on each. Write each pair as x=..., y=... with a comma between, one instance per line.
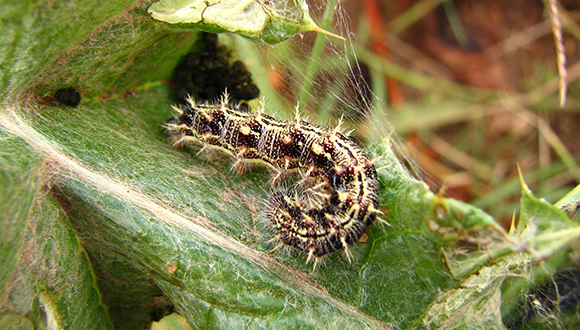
x=266, y=21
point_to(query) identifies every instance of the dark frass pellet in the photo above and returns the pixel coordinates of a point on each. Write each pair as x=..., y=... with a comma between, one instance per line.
x=68, y=96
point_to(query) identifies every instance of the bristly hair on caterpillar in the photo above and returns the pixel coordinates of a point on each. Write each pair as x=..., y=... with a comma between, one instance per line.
x=337, y=198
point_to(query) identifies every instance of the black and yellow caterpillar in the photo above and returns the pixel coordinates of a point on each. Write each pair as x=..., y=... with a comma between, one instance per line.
x=339, y=197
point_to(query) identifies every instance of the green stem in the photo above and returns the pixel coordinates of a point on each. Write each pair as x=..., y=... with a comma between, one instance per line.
x=317, y=49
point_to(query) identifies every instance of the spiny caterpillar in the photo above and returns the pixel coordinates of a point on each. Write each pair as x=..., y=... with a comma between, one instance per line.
x=339, y=193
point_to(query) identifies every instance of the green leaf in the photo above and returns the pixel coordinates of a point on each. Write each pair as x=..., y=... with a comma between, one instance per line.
x=111, y=201
x=570, y=202
x=267, y=21
x=548, y=234
x=20, y=183
x=101, y=48
x=129, y=200
x=532, y=252
x=546, y=227
x=43, y=267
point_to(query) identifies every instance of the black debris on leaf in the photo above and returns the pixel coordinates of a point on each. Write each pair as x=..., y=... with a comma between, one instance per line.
x=206, y=76
x=68, y=96
x=558, y=298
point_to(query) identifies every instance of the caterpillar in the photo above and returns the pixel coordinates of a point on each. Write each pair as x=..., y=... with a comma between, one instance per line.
x=338, y=195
